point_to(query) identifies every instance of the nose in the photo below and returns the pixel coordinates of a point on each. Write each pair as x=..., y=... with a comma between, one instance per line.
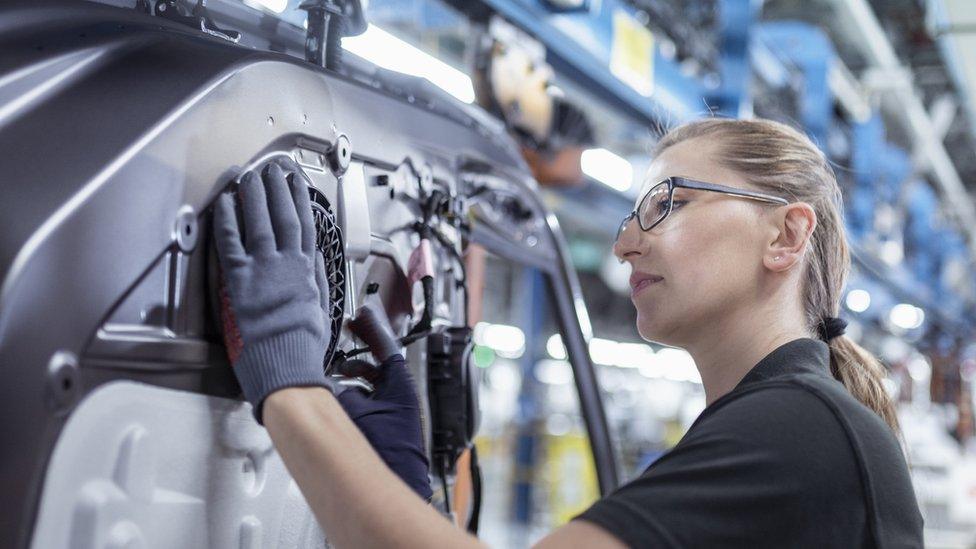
x=628, y=243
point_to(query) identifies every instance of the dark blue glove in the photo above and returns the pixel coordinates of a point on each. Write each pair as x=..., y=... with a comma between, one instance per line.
x=373, y=327
x=390, y=420
x=276, y=284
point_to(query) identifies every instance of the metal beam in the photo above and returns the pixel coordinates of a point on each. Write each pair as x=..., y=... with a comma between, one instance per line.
x=909, y=110
x=676, y=98
x=848, y=91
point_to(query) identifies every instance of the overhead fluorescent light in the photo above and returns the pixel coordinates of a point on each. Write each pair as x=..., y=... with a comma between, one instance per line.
x=385, y=50
x=858, y=300
x=672, y=364
x=276, y=6
x=507, y=341
x=554, y=372
x=608, y=168
x=906, y=316
x=608, y=352
x=555, y=347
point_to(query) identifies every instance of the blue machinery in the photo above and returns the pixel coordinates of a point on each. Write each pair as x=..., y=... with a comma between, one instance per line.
x=880, y=177
x=882, y=174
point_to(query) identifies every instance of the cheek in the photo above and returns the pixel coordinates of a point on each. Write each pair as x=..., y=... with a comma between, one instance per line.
x=721, y=250
x=709, y=262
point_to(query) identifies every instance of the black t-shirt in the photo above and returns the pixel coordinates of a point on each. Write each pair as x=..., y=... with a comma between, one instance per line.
x=787, y=459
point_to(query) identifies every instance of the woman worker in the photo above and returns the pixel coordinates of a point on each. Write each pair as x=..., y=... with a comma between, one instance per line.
x=739, y=255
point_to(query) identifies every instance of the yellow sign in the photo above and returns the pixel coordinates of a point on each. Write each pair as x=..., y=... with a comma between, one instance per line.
x=632, y=53
x=572, y=476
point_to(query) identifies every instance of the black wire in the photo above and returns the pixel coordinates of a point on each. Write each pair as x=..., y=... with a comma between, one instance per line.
x=426, y=230
x=427, y=317
x=406, y=340
x=476, y=489
x=461, y=282
x=447, y=496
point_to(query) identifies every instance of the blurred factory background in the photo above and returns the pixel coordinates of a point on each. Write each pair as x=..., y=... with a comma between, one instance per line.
x=886, y=87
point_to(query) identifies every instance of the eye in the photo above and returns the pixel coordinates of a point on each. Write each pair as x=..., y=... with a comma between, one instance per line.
x=661, y=205
x=678, y=203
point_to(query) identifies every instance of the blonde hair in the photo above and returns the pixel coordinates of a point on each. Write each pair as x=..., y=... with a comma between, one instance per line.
x=779, y=159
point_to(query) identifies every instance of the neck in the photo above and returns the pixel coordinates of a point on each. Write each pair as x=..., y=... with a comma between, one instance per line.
x=742, y=341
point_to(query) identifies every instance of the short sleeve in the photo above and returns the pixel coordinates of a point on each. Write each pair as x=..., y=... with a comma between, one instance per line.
x=771, y=467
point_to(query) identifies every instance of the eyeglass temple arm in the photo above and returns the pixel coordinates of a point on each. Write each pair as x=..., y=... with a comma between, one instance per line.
x=699, y=185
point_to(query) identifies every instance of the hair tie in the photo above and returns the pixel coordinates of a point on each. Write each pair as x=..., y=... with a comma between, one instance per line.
x=831, y=327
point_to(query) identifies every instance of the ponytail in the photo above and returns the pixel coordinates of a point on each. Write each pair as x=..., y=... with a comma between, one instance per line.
x=861, y=373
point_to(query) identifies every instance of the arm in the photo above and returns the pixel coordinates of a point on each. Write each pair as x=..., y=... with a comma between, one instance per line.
x=580, y=534
x=275, y=316
x=355, y=497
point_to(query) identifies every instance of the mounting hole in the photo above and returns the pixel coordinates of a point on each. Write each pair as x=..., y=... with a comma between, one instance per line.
x=271, y=121
x=186, y=229
x=61, y=387
x=341, y=154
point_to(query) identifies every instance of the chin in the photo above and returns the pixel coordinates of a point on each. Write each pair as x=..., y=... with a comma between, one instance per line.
x=650, y=331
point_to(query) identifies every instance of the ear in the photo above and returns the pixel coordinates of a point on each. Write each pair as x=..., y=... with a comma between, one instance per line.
x=791, y=227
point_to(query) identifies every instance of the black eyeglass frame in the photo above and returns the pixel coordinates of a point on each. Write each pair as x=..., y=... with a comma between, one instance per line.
x=684, y=183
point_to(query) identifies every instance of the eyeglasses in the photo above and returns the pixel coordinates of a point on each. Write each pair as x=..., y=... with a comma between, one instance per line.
x=658, y=202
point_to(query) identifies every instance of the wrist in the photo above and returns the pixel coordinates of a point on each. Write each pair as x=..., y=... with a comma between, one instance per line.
x=291, y=359
x=291, y=398
x=299, y=406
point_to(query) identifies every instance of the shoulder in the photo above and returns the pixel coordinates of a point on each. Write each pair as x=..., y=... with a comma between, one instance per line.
x=798, y=401
x=774, y=454
x=807, y=410
x=783, y=451
x=786, y=406
x=782, y=426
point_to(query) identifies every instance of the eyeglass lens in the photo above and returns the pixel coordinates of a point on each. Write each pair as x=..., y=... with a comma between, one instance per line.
x=655, y=205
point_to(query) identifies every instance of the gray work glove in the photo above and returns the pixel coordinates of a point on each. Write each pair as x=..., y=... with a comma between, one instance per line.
x=275, y=283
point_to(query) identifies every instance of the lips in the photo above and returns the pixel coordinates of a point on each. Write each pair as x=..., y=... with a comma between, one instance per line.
x=639, y=281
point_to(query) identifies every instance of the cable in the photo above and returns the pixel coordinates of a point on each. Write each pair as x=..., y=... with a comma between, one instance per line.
x=425, y=230
x=475, y=492
x=405, y=340
x=447, y=497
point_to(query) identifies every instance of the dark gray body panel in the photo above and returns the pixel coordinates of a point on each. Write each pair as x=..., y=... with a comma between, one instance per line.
x=112, y=123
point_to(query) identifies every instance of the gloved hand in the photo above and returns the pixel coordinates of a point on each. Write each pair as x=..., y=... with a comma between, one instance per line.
x=373, y=327
x=276, y=313
x=390, y=417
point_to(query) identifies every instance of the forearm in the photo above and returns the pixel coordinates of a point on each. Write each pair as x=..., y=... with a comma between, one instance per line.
x=356, y=498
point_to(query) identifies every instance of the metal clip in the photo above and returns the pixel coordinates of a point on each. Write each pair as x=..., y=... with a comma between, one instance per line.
x=199, y=18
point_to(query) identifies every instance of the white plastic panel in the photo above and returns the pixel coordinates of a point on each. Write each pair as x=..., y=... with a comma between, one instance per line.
x=354, y=213
x=139, y=466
